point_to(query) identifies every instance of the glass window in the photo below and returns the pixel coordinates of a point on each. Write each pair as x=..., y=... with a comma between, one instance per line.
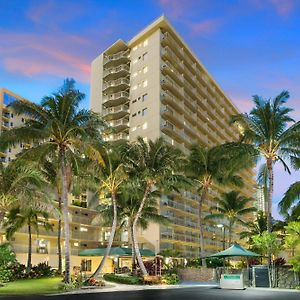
x=145, y=55
x=145, y=97
x=8, y=99
x=145, y=43
x=145, y=83
x=144, y=111
x=145, y=69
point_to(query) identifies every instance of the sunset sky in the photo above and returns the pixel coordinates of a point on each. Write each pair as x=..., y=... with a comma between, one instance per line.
x=249, y=46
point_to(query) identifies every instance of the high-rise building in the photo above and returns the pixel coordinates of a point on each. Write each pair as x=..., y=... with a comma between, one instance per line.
x=260, y=198
x=155, y=86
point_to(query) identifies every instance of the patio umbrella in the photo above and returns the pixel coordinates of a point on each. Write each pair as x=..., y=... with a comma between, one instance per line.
x=120, y=251
x=235, y=250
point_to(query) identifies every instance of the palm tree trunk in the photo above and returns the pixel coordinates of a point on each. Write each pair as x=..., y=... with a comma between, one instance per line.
x=59, y=238
x=111, y=237
x=134, y=228
x=133, y=257
x=230, y=233
x=2, y=215
x=65, y=215
x=28, y=268
x=270, y=193
x=200, y=224
x=270, y=201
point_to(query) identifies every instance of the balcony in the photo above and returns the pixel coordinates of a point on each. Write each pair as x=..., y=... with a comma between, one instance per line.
x=116, y=99
x=168, y=98
x=168, y=83
x=168, y=40
x=120, y=137
x=117, y=58
x=5, y=116
x=116, y=112
x=168, y=54
x=116, y=85
x=119, y=125
x=168, y=69
x=172, y=131
x=173, y=116
x=115, y=72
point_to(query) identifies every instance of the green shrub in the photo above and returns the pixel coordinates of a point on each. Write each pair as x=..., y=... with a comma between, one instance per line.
x=41, y=270
x=66, y=286
x=6, y=275
x=123, y=279
x=7, y=255
x=170, y=278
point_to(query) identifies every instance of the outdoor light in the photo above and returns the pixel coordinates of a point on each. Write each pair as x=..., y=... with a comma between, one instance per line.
x=220, y=225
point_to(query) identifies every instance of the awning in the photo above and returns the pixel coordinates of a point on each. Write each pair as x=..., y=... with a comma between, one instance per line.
x=235, y=250
x=120, y=251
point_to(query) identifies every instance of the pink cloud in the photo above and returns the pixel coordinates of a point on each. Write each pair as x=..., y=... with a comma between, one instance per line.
x=176, y=8
x=205, y=27
x=283, y=7
x=34, y=55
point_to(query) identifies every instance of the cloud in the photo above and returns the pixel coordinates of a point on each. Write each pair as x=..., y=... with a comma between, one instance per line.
x=33, y=55
x=283, y=7
x=175, y=8
x=205, y=27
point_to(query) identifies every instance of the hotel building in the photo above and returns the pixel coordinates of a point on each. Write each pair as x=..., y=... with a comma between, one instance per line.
x=155, y=86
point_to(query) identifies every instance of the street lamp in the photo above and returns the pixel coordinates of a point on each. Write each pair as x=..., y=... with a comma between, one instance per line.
x=223, y=233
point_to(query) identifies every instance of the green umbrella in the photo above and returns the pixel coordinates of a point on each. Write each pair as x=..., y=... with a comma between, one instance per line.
x=121, y=251
x=235, y=250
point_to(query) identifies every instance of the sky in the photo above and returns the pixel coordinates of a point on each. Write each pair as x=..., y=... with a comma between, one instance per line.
x=251, y=47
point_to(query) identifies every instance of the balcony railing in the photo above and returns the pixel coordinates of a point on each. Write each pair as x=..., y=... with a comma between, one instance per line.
x=117, y=56
x=115, y=83
x=116, y=70
x=118, y=97
x=116, y=110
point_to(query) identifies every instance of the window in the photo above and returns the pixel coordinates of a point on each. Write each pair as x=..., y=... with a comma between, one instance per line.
x=86, y=265
x=144, y=111
x=134, y=48
x=42, y=246
x=134, y=88
x=11, y=115
x=133, y=115
x=134, y=74
x=145, y=125
x=145, y=97
x=145, y=55
x=11, y=124
x=133, y=101
x=145, y=83
x=145, y=69
x=133, y=128
x=134, y=61
x=145, y=43
x=83, y=229
x=23, y=120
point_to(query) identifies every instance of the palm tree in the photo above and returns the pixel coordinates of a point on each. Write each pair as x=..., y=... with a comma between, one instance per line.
x=292, y=195
x=17, y=181
x=128, y=203
x=58, y=127
x=112, y=175
x=211, y=166
x=232, y=206
x=156, y=165
x=255, y=228
x=266, y=129
x=33, y=216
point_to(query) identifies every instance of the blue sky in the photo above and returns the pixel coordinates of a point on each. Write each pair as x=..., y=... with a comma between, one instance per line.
x=249, y=46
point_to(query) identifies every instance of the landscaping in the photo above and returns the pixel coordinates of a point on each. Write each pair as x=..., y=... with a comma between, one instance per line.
x=32, y=286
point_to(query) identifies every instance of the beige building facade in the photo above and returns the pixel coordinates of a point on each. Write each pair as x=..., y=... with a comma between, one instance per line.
x=155, y=86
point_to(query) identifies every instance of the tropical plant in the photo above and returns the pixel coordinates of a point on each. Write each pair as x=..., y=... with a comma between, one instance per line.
x=32, y=216
x=266, y=129
x=128, y=203
x=215, y=165
x=290, y=201
x=255, y=228
x=112, y=176
x=58, y=127
x=232, y=207
x=292, y=238
x=156, y=166
x=17, y=182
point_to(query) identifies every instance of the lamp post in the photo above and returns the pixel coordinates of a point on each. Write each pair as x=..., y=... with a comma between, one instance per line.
x=223, y=234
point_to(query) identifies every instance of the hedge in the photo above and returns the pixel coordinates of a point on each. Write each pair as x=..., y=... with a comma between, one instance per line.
x=123, y=279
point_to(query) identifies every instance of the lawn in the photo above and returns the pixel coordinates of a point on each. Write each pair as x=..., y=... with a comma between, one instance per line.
x=31, y=286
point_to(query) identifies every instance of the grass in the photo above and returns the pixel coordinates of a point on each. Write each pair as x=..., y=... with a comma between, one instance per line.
x=31, y=286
